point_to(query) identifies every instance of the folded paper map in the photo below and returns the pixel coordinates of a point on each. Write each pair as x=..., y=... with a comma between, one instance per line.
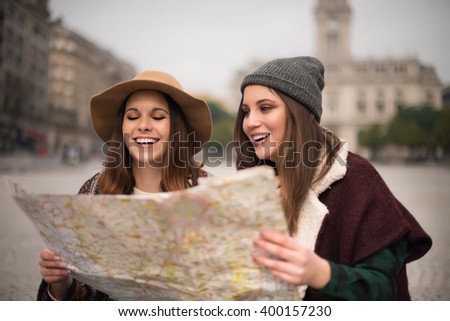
x=194, y=244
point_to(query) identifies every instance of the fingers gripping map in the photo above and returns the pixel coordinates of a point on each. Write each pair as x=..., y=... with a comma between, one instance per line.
x=194, y=244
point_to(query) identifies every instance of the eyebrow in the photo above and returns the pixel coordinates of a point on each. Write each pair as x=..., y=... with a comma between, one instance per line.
x=260, y=101
x=154, y=109
x=265, y=99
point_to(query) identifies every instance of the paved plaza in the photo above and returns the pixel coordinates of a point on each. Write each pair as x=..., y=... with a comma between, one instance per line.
x=423, y=189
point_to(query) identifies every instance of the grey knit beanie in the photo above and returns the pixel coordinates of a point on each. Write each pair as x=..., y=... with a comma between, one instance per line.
x=301, y=78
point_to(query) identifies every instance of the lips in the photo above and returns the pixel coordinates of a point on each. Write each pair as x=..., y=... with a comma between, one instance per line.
x=259, y=139
x=145, y=141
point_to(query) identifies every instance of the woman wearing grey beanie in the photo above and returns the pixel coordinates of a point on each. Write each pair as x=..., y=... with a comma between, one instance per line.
x=349, y=237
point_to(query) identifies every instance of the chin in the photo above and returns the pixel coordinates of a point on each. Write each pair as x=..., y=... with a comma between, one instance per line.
x=144, y=161
x=262, y=156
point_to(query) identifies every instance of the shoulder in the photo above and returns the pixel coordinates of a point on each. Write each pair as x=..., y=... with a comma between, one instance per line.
x=348, y=169
x=90, y=186
x=360, y=169
x=357, y=162
x=361, y=183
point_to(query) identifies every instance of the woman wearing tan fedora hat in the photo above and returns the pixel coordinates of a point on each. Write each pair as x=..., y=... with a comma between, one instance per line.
x=152, y=129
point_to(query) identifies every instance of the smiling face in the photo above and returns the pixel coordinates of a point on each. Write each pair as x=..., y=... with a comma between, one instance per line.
x=264, y=120
x=146, y=127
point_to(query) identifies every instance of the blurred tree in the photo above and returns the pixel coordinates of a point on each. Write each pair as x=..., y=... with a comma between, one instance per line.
x=223, y=124
x=413, y=127
x=374, y=139
x=442, y=130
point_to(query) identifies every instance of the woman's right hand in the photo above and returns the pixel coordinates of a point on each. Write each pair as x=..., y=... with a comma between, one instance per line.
x=54, y=271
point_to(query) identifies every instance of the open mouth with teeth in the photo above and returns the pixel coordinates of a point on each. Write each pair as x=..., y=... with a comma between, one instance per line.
x=259, y=139
x=145, y=142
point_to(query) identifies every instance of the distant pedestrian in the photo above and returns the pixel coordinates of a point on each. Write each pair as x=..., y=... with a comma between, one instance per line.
x=349, y=237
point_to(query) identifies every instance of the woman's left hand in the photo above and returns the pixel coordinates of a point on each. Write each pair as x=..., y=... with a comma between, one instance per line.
x=290, y=261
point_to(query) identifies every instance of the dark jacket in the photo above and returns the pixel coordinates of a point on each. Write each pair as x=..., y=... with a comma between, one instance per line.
x=365, y=217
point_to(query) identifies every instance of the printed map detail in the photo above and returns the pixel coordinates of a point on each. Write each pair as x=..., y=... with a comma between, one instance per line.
x=194, y=244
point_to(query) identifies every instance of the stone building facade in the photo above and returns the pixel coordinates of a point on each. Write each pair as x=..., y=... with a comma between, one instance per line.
x=24, y=49
x=48, y=75
x=78, y=69
x=359, y=93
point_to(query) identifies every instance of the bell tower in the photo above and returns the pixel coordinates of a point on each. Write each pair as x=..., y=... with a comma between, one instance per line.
x=333, y=32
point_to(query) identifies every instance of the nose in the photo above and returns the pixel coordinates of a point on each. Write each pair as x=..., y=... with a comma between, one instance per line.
x=145, y=124
x=252, y=120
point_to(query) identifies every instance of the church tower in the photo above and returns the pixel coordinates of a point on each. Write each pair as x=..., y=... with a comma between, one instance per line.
x=333, y=33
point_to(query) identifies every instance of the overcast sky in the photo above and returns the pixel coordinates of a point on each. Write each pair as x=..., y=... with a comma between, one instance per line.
x=204, y=42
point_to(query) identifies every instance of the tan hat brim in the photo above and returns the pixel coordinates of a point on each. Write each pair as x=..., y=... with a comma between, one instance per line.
x=105, y=107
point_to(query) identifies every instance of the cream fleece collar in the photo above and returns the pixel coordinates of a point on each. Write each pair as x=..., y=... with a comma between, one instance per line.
x=313, y=211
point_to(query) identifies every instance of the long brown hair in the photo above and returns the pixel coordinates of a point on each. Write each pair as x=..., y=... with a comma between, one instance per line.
x=180, y=170
x=306, y=145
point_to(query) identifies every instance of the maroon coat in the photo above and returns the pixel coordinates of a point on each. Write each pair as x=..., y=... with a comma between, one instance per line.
x=365, y=217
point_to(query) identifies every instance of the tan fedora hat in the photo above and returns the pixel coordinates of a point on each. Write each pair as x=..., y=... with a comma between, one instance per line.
x=105, y=105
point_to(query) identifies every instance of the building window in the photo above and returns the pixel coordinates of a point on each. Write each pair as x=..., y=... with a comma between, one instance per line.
x=361, y=69
x=18, y=61
x=332, y=23
x=37, y=30
x=400, y=69
x=9, y=35
x=380, y=106
x=333, y=104
x=429, y=97
x=20, y=19
x=380, y=69
x=9, y=10
x=332, y=41
x=399, y=104
x=361, y=104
